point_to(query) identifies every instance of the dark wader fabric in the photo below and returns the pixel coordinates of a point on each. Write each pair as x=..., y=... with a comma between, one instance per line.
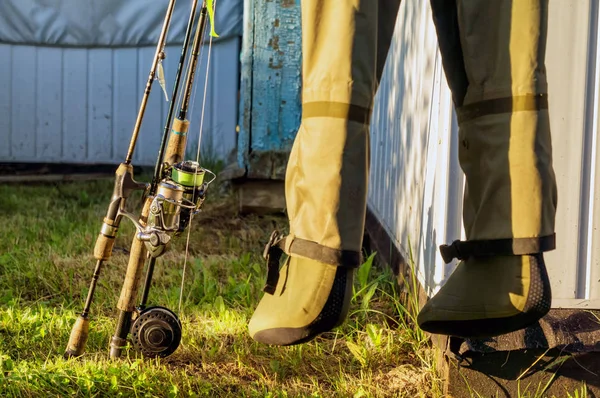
x=491, y=51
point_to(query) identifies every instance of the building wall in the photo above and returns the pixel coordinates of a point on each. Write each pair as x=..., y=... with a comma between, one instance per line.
x=78, y=105
x=416, y=182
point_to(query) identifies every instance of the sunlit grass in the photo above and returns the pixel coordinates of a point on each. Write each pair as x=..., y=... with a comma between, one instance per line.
x=46, y=264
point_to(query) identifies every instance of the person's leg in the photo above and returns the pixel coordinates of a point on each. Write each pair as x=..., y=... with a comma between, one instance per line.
x=327, y=172
x=505, y=152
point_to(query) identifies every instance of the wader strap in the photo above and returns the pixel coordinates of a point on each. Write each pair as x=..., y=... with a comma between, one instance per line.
x=521, y=103
x=337, y=110
x=462, y=250
x=315, y=251
x=276, y=247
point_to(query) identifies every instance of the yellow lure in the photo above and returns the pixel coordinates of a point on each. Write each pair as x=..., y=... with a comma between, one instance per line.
x=211, y=17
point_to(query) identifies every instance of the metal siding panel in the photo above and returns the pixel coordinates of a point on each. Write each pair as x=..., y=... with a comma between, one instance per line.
x=126, y=100
x=441, y=221
x=454, y=198
x=376, y=148
x=74, y=103
x=425, y=162
x=407, y=172
x=152, y=126
x=24, y=85
x=85, y=106
x=567, y=69
x=100, y=82
x=49, y=104
x=585, y=260
x=405, y=192
x=170, y=66
x=594, y=276
x=593, y=285
x=196, y=112
x=5, y=100
x=225, y=97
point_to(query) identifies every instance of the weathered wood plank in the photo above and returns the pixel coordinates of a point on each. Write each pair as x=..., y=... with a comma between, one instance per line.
x=276, y=69
x=222, y=127
x=261, y=196
x=246, y=62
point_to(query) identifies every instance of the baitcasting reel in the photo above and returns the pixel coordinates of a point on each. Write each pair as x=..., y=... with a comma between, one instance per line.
x=156, y=332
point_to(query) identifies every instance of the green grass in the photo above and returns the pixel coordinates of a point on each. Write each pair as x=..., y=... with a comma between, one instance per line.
x=48, y=233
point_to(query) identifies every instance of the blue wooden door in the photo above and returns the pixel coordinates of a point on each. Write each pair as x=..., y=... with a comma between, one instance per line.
x=270, y=91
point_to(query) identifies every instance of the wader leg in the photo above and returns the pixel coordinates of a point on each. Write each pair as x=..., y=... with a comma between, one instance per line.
x=326, y=178
x=493, y=55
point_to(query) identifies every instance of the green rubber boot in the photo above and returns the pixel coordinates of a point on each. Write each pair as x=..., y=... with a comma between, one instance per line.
x=489, y=296
x=310, y=298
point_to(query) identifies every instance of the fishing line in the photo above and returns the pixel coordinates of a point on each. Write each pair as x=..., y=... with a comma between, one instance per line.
x=205, y=90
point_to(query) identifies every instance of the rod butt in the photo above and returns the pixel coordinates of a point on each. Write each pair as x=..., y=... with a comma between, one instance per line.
x=119, y=339
x=116, y=347
x=79, y=336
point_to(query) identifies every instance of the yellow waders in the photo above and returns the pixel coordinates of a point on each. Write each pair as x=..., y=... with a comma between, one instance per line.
x=505, y=153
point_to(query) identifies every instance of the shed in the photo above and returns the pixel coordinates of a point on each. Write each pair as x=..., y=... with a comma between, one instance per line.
x=73, y=72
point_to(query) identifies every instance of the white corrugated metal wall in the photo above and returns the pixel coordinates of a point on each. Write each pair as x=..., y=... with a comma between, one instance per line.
x=72, y=105
x=416, y=182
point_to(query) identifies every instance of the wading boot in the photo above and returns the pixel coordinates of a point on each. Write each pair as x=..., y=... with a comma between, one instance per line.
x=489, y=296
x=297, y=312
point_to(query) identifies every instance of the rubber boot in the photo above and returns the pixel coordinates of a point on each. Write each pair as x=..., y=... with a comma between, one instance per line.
x=493, y=55
x=345, y=43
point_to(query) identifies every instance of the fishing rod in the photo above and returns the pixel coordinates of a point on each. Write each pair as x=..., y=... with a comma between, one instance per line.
x=177, y=195
x=174, y=196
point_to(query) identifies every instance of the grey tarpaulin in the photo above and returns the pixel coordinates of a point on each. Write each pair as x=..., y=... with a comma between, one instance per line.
x=104, y=23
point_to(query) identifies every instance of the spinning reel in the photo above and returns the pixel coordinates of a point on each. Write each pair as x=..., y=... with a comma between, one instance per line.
x=179, y=196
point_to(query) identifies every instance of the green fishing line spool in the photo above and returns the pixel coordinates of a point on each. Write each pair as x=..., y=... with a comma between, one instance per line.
x=188, y=173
